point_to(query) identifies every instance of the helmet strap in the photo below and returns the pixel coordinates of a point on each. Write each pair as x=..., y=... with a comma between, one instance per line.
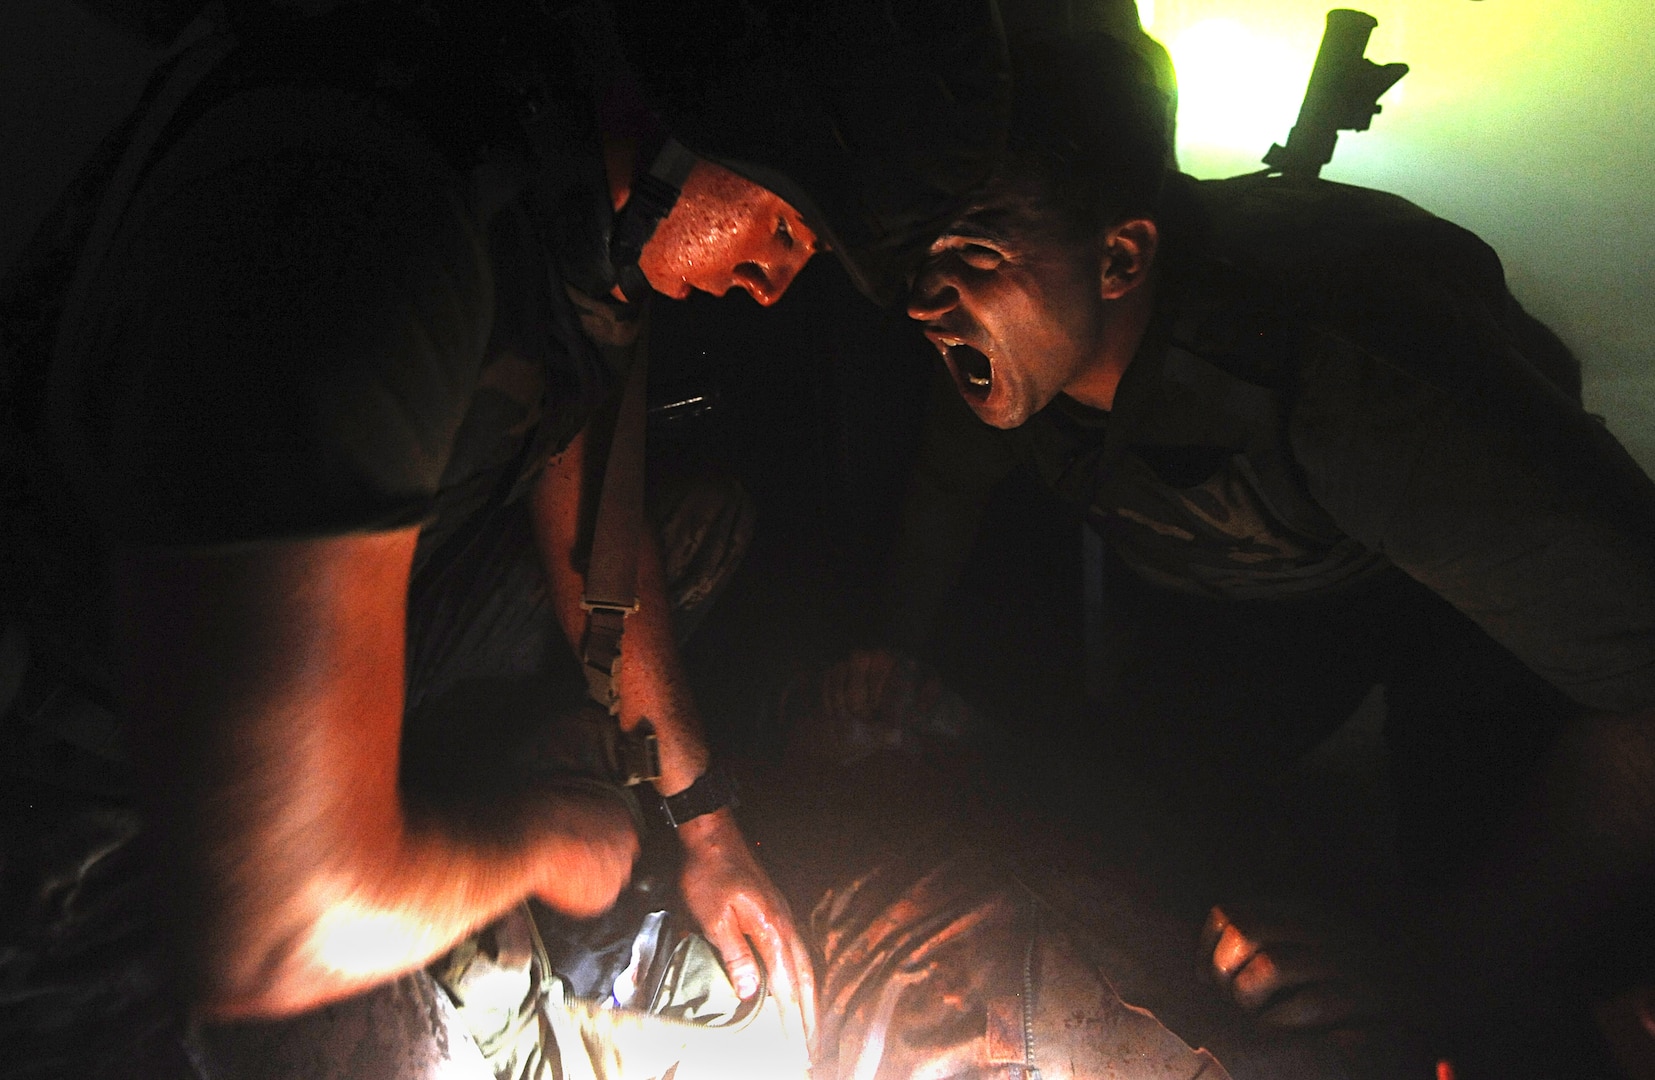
x=653, y=195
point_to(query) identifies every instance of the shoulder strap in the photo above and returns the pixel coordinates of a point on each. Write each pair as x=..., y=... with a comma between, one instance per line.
x=612, y=569
x=612, y=575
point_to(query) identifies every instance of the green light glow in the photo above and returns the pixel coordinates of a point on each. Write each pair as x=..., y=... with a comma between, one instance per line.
x=1234, y=85
x=1476, y=63
x=1529, y=121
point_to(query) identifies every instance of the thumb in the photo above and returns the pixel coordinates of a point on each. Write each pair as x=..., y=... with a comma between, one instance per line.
x=739, y=963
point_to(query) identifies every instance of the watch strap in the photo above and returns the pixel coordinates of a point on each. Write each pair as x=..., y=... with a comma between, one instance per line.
x=713, y=790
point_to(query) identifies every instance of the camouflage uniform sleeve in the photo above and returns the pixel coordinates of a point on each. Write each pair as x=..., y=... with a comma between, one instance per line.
x=1435, y=433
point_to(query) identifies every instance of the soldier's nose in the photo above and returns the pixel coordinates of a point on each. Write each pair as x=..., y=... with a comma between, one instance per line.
x=931, y=297
x=762, y=286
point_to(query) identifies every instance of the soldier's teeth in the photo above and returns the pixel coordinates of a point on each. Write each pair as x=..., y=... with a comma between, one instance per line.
x=972, y=367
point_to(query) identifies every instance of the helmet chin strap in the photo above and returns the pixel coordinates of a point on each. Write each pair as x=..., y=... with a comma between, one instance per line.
x=652, y=198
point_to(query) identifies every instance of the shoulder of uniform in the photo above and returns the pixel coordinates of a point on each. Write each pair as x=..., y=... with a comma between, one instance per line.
x=1318, y=225
x=1270, y=255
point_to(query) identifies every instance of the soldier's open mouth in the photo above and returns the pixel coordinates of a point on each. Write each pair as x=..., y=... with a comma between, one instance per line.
x=972, y=369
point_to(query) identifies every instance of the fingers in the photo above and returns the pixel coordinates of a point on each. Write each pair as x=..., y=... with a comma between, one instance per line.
x=746, y=919
x=1216, y=923
x=1256, y=982
x=791, y=977
x=739, y=962
x=1285, y=975
x=806, y=987
x=1279, y=969
x=854, y=688
x=758, y=940
x=1230, y=949
x=1319, y=1005
x=586, y=856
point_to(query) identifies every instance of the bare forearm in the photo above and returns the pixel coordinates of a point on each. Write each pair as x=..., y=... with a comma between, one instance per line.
x=265, y=684
x=357, y=916
x=651, y=682
x=738, y=908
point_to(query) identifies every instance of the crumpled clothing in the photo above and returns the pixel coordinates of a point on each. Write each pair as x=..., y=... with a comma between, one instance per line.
x=685, y=1021
x=941, y=966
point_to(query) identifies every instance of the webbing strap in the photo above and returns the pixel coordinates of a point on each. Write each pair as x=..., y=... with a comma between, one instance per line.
x=652, y=198
x=612, y=570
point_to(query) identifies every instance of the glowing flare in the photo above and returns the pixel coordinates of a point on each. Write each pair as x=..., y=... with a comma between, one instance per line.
x=1238, y=91
x=626, y=1044
x=355, y=940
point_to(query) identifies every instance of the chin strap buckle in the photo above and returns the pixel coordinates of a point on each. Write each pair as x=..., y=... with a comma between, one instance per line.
x=652, y=198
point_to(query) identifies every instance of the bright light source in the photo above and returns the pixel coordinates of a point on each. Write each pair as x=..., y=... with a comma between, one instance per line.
x=1238, y=92
x=624, y=1043
x=359, y=941
x=1146, y=13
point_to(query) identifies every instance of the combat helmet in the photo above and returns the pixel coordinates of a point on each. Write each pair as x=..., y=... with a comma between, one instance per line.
x=876, y=119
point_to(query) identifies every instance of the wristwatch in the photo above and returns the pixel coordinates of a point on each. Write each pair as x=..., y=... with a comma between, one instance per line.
x=712, y=790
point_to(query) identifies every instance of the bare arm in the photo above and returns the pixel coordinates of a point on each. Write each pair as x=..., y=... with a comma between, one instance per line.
x=651, y=679
x=265, y=682
x=726, y=889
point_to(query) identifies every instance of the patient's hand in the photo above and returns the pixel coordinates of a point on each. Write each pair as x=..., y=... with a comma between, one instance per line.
x=1295, y=974
x=879, y=700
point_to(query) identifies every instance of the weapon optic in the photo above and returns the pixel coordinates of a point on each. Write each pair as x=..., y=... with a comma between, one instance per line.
x=1342, y=95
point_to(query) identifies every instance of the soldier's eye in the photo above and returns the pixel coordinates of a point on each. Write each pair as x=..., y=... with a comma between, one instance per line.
x=979, y=257
x=784, y=233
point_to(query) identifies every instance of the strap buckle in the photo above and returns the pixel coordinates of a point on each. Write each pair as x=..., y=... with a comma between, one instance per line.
x=636, y=756
x=601, y=651
x=608, y=606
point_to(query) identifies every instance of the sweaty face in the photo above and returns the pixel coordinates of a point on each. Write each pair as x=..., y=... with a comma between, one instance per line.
x=1013, y=307
x=727, y=232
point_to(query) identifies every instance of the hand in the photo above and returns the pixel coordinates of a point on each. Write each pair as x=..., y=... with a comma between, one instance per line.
x=1288, y=975
x=742, y=914
x=880, y=699
x=587, y=852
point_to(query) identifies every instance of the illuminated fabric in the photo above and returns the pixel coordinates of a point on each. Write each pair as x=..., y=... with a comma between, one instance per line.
x=944, y=966
x=681, y=1020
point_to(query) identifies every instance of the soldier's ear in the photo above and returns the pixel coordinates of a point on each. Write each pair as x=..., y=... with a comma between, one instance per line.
x=1128, y=249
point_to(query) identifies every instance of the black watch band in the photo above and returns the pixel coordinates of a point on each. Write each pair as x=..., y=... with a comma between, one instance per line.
x=712, y=790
